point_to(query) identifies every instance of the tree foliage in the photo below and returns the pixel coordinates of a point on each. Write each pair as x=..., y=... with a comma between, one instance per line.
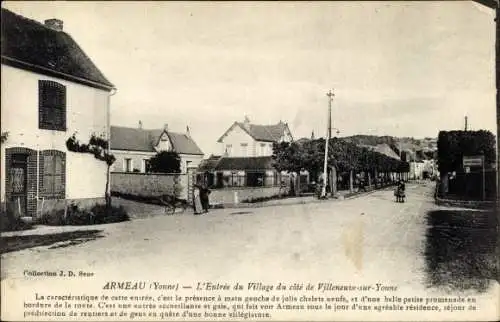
x=454, y=145
x=4, y=136
x=165, y=162
x=345, y=156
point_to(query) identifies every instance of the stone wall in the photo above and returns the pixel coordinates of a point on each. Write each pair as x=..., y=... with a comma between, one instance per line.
x=147, y=185
x=236, y=195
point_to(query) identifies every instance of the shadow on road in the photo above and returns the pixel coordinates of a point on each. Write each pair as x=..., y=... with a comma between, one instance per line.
x=242, y=213
x=58, y=240
x=460, y=250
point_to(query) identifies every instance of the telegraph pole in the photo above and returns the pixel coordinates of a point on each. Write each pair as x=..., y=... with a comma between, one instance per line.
x=330, y=95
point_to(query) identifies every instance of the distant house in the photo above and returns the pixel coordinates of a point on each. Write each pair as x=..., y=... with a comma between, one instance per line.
x=50, y=90
x=246, y=155
x=384, y=149
x=421, y=166
x=133, y=147
x=244, y=139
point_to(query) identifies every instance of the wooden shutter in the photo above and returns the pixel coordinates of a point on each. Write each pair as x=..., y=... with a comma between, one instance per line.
x=52, y=105
x=48, y=174
x=53, y=175
x=59, y=168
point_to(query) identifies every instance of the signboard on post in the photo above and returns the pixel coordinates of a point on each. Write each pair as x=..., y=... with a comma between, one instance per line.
x=473, y=161
x=476, y=161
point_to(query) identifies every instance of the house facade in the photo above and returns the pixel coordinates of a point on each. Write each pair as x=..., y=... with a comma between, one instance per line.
x=133, y=147
x=244, y=139
x=50, y=91
x=246, y=156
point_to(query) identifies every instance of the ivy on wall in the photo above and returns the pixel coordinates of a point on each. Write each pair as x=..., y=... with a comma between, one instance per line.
x=4, y=137
x=97, y=146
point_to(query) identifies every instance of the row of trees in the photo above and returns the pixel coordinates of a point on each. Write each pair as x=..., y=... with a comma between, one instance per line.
x=344, y=156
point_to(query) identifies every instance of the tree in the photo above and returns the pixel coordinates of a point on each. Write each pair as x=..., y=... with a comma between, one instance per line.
x=343, y=155
x=4, y=137
x=165, y=162
x=454, y=145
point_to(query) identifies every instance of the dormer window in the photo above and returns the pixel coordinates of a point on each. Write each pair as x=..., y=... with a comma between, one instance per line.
x=51, y=105
x=164, y=143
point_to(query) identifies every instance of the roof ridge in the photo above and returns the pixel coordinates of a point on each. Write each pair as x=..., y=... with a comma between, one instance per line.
x=30, y=20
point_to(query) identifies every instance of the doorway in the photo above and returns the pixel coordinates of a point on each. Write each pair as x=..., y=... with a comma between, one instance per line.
x=18, y=178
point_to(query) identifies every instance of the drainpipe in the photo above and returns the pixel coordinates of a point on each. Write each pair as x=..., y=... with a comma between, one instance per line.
x=37, y=176
x=108, y=130
x=497, y=81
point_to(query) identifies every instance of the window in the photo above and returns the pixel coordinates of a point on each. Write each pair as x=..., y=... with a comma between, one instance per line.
x=145, y=165
x=128, y=165
x=244, y=151
x=262, y=149
x=229, y=147
x=51, y=105
x=53, y=185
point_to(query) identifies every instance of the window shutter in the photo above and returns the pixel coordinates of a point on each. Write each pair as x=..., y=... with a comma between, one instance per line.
x=52, y=105
x=48, y=174
x=53, y=175
x=59, y=175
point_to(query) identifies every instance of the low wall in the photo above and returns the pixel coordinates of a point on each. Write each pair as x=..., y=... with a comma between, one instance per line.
x=465, y=203
x=237, y=195
x=148, y=185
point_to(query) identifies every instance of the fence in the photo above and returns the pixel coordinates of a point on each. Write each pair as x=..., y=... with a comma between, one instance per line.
x=470, y=185
x=241, y=179
x=148, y=184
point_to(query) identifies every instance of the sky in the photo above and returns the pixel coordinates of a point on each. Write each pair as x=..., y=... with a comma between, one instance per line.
x=396, y=68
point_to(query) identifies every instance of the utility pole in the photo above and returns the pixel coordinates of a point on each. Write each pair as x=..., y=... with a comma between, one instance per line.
x=330, y=95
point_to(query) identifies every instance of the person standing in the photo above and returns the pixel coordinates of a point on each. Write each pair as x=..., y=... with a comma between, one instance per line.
x=205, y=200
x=197, y=199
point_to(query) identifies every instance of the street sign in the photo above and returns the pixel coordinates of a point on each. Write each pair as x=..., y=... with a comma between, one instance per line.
x=473, y=161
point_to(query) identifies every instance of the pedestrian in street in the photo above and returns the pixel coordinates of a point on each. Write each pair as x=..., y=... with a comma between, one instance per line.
x=198, y=208
x=204, y=198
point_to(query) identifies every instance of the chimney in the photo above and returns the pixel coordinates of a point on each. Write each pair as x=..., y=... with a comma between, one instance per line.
x=188, y=133
x=246, y=122
x=165, y=127
x=54, y=24
x=140, y=125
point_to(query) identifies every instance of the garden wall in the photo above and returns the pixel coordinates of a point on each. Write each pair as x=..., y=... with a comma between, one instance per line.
x=148, y=185
x=237, y=195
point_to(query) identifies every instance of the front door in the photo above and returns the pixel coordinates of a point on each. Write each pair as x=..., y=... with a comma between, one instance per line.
x=18, y=184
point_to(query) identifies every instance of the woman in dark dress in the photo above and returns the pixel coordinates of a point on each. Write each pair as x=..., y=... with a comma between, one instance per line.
x=204, y=193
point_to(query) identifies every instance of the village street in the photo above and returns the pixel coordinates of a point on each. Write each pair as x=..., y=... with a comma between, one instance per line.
x=361, y=241
x=368, y=238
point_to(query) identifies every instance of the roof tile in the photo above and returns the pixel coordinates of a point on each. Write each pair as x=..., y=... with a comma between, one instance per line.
x=135, y=139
